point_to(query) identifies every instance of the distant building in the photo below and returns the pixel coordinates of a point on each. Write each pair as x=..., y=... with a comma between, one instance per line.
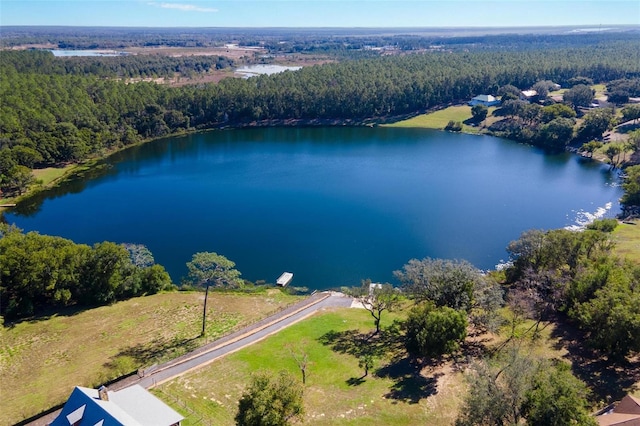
x=624, y=413
x=132, y=406
x=486, y=100
x=527, y=95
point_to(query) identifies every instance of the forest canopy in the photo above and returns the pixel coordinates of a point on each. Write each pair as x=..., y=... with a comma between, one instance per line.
x=45, y=272
x=53, y=113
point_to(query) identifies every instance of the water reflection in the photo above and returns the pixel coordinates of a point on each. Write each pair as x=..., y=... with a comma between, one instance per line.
x=333, y=205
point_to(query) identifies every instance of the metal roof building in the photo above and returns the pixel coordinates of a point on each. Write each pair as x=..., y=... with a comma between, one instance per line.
x=132, y=406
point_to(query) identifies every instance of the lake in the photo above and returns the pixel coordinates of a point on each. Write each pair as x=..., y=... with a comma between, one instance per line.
x=332, y=205
x=72, y=53
x=255, y=70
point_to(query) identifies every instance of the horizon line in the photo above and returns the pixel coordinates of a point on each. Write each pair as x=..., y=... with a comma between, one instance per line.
x=595, y=26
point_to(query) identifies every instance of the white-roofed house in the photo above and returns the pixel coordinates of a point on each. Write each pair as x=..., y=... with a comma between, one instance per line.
x=131, y=406
x=527, y=95
x=486, y=100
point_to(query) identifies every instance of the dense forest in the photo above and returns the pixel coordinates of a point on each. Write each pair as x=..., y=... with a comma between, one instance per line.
x=63, y=110
x=53, y=114
x=336, y=42
x=41, y=272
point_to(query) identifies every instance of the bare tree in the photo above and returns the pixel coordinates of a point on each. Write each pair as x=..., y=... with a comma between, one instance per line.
x=376, y=298
x=301, y=358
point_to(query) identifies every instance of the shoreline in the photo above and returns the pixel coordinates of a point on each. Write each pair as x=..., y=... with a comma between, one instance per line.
x=89, y=164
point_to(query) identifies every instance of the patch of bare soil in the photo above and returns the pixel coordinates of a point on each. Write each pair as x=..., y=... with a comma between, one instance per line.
x=233, y=52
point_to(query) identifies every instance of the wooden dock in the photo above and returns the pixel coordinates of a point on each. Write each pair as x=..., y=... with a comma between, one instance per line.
x=284, y=279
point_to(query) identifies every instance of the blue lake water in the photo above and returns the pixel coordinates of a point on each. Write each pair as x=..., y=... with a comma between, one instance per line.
x=70, y=53
x=332, y=205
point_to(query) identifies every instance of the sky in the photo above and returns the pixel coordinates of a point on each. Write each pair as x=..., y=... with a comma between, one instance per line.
x=320, y=13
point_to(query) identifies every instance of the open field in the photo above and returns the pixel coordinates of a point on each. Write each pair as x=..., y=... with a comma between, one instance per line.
x=440, y=118
x=627, y=238
x=395, y=392
x=231, y=51
x=50, y=174
x=600, y=91
x=47, y=177
x=398, y=394
x=43, y=359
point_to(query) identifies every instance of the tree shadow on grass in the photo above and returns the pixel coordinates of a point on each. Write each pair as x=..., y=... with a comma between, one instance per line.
x=355, y=381
x=628, y=127
x=410, y=386
x=146, y=354
x=352, y=342
x=609, y=380
x=47, y=314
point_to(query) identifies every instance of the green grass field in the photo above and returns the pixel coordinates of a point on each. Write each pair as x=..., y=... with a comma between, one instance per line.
x=51, y=174
x=396, y=394
x=439, y=119
x=42, y=360
x=627, y=238
x=46, y=176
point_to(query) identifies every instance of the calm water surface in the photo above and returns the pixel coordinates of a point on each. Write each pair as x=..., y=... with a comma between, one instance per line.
x=331, y=205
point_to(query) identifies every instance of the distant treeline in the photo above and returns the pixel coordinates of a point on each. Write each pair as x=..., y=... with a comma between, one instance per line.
x=44, y=272
x=125, y=66
x=330, y=41
x=55, y=117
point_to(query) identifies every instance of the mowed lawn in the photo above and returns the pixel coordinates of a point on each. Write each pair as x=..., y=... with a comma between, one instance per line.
x=42, y=360
x=627, y=238
x=439, y=119
x=393, y=394
x=50, y=174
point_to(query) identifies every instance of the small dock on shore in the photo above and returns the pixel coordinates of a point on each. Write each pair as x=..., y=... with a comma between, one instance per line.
x=284, y=279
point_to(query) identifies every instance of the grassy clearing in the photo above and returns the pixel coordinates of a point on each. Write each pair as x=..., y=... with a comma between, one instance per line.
x=334, y=394
x=627, y=238
x=439, y=119
x=51, y=174
x=395, y=394
x=47, y=177
x=557, y=92
x=41, y=360
x=600, y=90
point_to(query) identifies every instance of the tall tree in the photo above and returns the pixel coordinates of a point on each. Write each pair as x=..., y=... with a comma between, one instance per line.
x=542, y=88
x=444, y=282
x=612, y=151
x=595, y=123
x=590, y=147
x=209, y=268
x=270, y=401
x=376, y=298
x=433, y=331
x=497, y=390
x=579, y=95
x=631, y=186
x=556, y=134
x=479, y=112
x=557, y=398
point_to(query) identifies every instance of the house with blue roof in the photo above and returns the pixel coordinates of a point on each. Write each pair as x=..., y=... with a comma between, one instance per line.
x=132, y=406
